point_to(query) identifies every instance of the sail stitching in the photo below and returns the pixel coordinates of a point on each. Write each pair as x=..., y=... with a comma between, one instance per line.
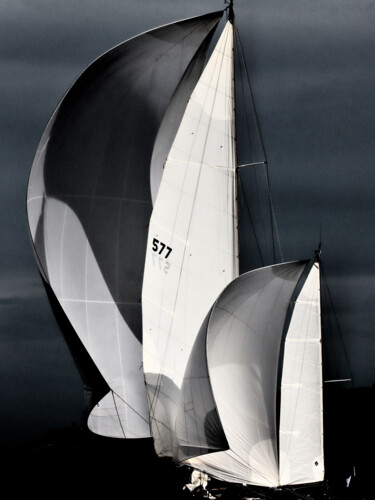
x=164, y=357
x=117, y=312
x=93, y=197
x=190, y=162
x=93, y=301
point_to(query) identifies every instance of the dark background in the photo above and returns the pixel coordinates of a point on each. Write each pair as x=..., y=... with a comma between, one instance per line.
x=312, y=70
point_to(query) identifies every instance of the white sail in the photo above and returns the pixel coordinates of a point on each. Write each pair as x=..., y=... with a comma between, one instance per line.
x=192, y=251
x=88, y=303
x=121, y=196
x=242, y=343
x=89, y=202
x=301, y=414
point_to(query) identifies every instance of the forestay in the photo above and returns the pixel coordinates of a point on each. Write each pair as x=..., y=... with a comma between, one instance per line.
x=89, y=201
x=192, y=251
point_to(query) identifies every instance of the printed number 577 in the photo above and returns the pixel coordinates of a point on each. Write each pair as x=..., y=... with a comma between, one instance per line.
x=159, y=247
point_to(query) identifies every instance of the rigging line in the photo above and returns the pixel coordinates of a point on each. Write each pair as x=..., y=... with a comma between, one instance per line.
x=129, y=406
x=251, y=94
x=246, y=78
x=252, y=149
x=273, y=221
x=336, y=320
x=254, y=164
x=117, y=312
x=251, y=219
x=245, y=100
x=328, y=317
x=118, y=415
x=273, y=216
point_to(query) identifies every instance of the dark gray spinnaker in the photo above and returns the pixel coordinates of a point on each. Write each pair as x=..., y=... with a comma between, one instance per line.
x=89, y=201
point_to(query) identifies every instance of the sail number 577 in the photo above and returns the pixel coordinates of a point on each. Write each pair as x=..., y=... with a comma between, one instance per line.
x=161, y=248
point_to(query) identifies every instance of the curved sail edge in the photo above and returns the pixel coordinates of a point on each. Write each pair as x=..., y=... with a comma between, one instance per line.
x=96, y=317
x=198, y=429
x=108, y=416
x=35, y=187
x=192, y=251
x=243, y=338
x=89, y=191
x=301, y=453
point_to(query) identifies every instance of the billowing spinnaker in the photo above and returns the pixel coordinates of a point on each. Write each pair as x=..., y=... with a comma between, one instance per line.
x=89, y=201
x=243, y=339
x=301, y=413
x=198, y=428
x=192, y=249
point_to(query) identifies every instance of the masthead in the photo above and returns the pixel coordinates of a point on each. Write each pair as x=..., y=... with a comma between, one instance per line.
x=230, y=10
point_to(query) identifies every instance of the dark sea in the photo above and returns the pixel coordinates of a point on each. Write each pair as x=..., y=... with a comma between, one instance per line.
x=76, y=462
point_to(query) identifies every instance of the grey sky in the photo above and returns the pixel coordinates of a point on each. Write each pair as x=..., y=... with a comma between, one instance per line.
x=313, y=75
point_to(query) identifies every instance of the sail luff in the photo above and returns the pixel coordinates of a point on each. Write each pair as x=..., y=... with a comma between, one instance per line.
x=191, y=254
x=301, y=408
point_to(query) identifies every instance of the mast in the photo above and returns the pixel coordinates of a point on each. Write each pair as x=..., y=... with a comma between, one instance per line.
x=236, y=183
x=230, y=11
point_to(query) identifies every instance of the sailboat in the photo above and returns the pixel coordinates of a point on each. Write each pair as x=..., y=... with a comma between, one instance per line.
x=134, y=210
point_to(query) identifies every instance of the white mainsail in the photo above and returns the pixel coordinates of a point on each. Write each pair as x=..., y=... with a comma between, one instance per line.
x=301, y=413
x=192, y=251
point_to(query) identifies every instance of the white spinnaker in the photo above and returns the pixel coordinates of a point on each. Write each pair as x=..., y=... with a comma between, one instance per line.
x=301, y=418
x=192, y=250
x=75, y=277
x=89, y=204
